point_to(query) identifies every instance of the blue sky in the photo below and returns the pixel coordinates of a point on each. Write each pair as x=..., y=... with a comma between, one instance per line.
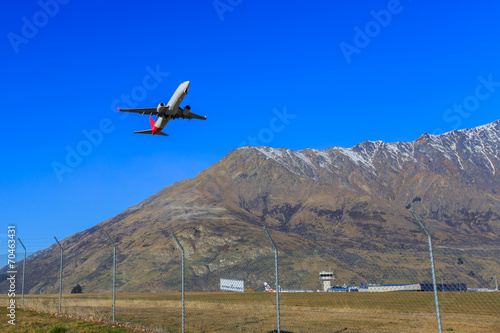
x=280, y=74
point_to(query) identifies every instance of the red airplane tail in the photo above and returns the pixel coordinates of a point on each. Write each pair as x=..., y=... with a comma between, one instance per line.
x=154, y=130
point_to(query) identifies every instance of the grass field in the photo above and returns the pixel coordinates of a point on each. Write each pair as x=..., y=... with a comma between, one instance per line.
x=256, y=312
x=30, y=321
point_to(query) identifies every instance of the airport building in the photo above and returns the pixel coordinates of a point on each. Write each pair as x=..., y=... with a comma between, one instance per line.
x=326, y=279
x=390, y=287
x=444, y=287
x=374, y=288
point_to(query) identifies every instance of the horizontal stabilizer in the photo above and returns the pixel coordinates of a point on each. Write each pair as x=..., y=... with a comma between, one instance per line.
x=151, y=132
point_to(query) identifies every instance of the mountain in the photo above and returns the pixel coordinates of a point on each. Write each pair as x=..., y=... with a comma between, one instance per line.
x=340, y=208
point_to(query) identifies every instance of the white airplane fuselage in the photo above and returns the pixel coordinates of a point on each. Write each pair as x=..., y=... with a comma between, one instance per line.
x=173, y=104
x=167, y=112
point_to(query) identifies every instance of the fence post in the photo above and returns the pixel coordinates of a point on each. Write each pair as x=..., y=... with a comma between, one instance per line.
x=431, y=255
x=60, y=275
x=277, y=280
x=114, y=274
x=182, y=250
x=24, y=266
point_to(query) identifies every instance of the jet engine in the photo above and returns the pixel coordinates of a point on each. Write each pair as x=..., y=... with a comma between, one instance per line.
x=160, y=107
x=186, y=111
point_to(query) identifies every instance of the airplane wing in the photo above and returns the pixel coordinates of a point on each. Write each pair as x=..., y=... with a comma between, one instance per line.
x=148, y=111
x=191, y=115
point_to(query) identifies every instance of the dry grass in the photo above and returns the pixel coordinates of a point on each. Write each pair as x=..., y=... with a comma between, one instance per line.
x=30, y=321
x=300, y=312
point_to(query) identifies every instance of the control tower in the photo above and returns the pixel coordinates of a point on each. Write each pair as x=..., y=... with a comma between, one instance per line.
x=326, y=278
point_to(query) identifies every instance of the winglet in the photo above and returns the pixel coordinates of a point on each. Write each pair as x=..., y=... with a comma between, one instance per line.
x=118, y=108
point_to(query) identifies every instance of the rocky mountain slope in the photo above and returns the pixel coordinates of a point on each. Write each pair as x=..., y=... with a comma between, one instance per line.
x=340, y=208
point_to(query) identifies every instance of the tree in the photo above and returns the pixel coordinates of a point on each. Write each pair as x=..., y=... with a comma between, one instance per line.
x=77, y=289
x=460, y=261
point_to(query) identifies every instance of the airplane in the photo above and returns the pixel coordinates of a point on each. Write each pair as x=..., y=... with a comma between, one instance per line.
x=268, y=289
x=167, y=112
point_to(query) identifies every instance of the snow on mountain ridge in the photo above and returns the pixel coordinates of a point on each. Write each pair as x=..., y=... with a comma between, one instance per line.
x=466, y=147
x=291, y=160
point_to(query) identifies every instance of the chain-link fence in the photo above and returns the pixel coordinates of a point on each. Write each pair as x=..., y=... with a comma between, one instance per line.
x=389, y=290
x=230, y=286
